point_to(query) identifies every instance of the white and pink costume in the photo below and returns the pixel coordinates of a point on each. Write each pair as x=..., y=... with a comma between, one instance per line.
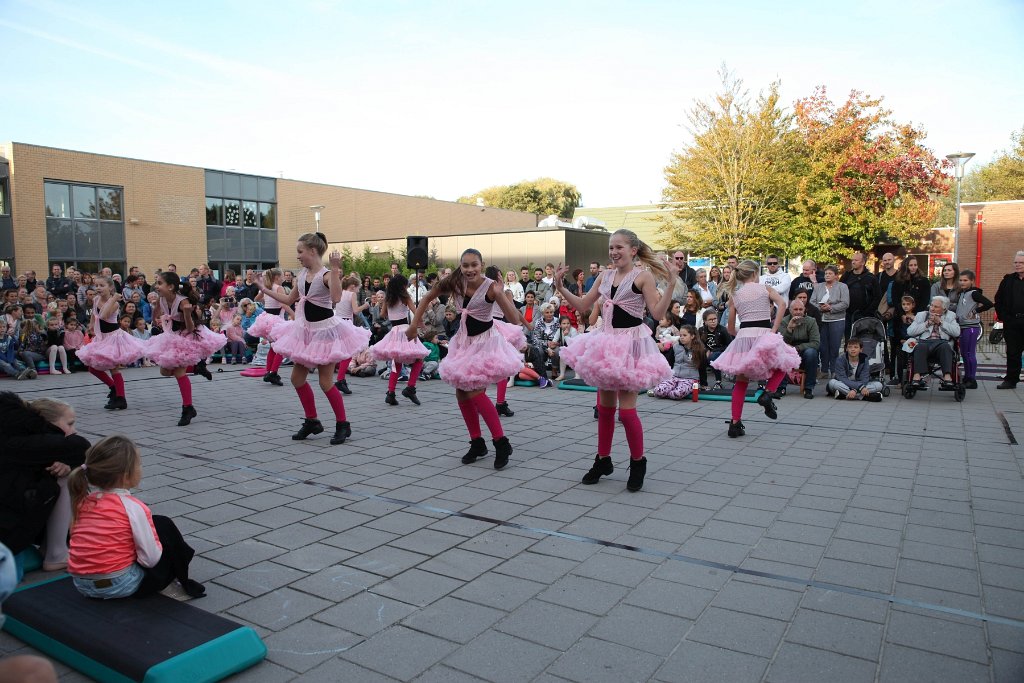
x=111, y=346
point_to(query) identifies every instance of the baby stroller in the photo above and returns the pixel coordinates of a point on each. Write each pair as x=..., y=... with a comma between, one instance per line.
x=956, y=385
x=874, y=344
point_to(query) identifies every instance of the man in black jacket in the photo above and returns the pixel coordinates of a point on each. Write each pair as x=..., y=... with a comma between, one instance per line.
x=209, y=289
x=863, y=290
x=1010, y=309
x=57, y=284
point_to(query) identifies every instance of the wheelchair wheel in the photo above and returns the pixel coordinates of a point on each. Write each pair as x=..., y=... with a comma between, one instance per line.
x=960, y=392
x=886, y=391
x=909, y=390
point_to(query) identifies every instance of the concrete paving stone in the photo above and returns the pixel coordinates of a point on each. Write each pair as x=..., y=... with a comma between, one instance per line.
x=417, y=587
x=935, y=632
x=997, y=536
x=454, y=619
x=264, y=500
x=799, y=533
x=765, y=601
x=219, y=514
x=244, y=553
x=547, y=624
x=360, y=539
x=957, y=493
x=663, y=530
x=277, y=517
x=885, y=520
x=498, y=543
x=801, y=515
x=898, y=507
x=279, y=609
x=1013, y=557
x=337, y=582
x=428, y=541
x=699, y=662
x=907, y=665
x=581, y=593
x=313, y=557
x=715, y=551
x=338, y=520
x=942, y=520
x=801, y=664
x=338, y=669
x=535, y=567
x=502, y=658
x=788, y=551
x=823, y=503
x=747, y=516
x=670, y=597
x=641, y=629
x=926, y=552
x=941, y=505
x=701, y=500
x=783, y=569
x=836, y=633
x=756, y=502
x=1004, y=602
x=855, y=575
x=682, y=514
x=1002, y=576
x=386, y=560
x=942, y=577
x=742, y=632
x=460, y=564
x=365, y=613
x=733, y=533
x=317, y=503
x=439, y=673
x=228, y=533
x=694, y=575
x=307, y=644
x=620, y=567
x=419, y=652
x=293, y=536
x=999, y=519
x=619, y=512
x=499, y=591
x=715, y=488
x=461, y=526
x=937, y=596
x=868, y=553
x=844, y=604
x=260, y=578
x=1007, y=666
x=596, y=661
x=939, y=537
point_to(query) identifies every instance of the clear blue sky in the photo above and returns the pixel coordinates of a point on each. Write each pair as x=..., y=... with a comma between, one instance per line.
x=445, y=98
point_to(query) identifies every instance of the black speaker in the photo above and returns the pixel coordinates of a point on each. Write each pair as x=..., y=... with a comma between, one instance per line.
x=416, y=252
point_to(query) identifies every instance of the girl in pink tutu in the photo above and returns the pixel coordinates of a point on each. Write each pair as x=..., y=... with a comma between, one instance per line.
x=111, y=348
x=478, y=355
x=269, y=320
x=621, y=358
x=316, y=338
x=396, y=347
x=513, y=334
x=185, y=341
x=347, y=309
x=758, y=351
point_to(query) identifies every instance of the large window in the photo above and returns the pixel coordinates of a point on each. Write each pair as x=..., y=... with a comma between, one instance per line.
x=241, y=218
x=84, y=223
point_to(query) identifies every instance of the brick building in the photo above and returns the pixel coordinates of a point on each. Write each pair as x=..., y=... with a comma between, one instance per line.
x=998, y=227
x=95, y=210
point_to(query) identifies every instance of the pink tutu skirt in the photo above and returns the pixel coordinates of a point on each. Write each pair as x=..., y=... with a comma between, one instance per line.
x=757, y=352
x=617, y=358
x=476, y=362
x=266, y=325
x=324, y=342
x=513, y=334
x=182, y=349
x=111, y=350
x=395, y=346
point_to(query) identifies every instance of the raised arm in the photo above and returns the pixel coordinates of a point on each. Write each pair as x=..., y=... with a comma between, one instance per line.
x=334, y=277
x=417, y=319
x=583, y=303
x=504, y=300
x=286, y=299
x=113, y=303
x=657, y=303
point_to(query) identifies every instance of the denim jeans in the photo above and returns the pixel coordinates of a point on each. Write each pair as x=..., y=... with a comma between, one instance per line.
x=12, y=370
x=121, y=586
x=31, y=358
x=831, y=344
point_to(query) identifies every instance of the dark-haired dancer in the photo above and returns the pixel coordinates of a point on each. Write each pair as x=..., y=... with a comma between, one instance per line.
x=316, y=338
x=621, y=358
x=396, y=347
x=513, y=334
x=269, y=320
x=112, y=348
x=347, y=309
x=185, y=342
x=478, y=355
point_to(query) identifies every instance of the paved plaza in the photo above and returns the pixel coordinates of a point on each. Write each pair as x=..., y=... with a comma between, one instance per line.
x=845, y=542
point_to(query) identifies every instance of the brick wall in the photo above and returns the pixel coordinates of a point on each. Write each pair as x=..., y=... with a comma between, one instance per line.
x=1002, y=236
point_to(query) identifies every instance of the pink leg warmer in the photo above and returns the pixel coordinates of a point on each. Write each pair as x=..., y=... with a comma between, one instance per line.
x=343, y=368
x=414, y=372
x=119, y=384
x=502, y=388
x=775, y=380
x=634, y=432
x=185, y=387
x=305, y=393
x=471, y=417
x=605, y=429
x=489, y=413
x=739, y=394
x=337, y=403
x=101, y=376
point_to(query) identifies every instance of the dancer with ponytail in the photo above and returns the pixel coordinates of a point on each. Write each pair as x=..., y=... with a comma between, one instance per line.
x=621, y=358
x=513, y=334
x=111, y=348
x=397, y=347
x=185, y=342
x=346, y=309
x=269, y=320
x=757, y=351
x=478, y=354
x=317, y=339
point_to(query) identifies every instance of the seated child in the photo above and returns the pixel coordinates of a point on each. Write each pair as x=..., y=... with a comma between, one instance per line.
x=143, y=334
x=852, y=377
x=715, y=339
x=119, y=548
x=432, y=359
x=9, y=362
x=236, y=340
x=691, y=366
x=363, y=364
x=74, y=338
x=55, y=346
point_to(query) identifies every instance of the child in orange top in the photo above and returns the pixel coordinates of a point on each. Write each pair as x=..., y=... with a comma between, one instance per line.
x=118, y=548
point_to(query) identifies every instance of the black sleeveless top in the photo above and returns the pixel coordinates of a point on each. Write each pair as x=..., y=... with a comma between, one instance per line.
x=474, y=326
x=107, y=328
x=621, y=318
x=314, y=313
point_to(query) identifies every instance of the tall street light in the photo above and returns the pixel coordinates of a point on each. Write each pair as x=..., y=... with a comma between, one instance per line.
x=960, y=160
x=316, y=208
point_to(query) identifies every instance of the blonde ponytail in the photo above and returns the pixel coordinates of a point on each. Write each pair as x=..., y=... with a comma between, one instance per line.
x=645, y=254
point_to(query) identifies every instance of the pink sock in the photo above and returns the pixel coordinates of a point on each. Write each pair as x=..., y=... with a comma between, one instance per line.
x=119, y=384
x=337, y=403
x=469, y=414
x=414, y=373
x=775, y=380
x=185, y=387
x=634, y=432
x=101, y=376
x=489, y=413
x=343, y=368
x=275, y=365
x=502, y=388
x=393, y=378
x=739, y=394
x=305, y=393
x=605, y=429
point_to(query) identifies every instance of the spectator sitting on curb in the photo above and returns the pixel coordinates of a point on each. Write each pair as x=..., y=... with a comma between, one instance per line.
x=852, y=377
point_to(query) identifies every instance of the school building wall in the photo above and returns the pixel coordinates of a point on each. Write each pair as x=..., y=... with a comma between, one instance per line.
x=1002, y=236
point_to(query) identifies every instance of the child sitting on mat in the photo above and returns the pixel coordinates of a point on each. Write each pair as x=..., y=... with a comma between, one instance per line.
x=119, y=548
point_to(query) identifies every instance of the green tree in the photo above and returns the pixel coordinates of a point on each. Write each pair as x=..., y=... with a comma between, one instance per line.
x=1001, y=179
x=544, y=196
x=731, y=189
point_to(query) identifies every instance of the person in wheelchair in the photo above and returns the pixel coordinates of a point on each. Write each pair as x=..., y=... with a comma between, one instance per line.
x=934, y=330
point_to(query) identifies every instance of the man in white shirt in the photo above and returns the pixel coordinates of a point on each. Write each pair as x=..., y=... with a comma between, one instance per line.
x=779, y=280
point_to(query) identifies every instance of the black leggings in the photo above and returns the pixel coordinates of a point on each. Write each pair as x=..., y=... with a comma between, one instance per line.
x=173, y=564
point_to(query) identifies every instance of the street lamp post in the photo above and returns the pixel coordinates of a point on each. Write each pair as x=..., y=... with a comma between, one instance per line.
x=960, y=160
x=316, y=208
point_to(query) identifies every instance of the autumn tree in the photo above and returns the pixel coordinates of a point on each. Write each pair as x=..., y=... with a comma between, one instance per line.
x=867, y=179
x=544, y=196
x=1002, y=178
x=731, y=190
